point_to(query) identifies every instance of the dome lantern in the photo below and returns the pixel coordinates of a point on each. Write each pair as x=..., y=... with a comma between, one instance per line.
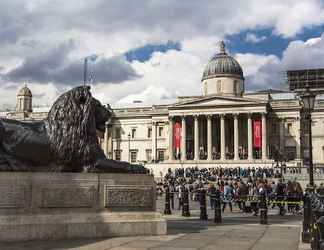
x=223, y=75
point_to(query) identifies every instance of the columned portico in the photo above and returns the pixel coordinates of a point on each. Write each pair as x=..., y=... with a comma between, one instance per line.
x=222, y=128
x=236, y=137
x=183, y=138
x=196, y=140
x=205, y=138
x=170, y=138
x=264, y=136
x=209, y=137
x=250, y=148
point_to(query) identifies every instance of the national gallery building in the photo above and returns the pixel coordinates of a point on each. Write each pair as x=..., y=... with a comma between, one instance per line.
x=225, y=126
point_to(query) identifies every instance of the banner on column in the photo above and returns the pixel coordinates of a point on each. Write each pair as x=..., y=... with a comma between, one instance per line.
x=257, y=138
x=177, y=137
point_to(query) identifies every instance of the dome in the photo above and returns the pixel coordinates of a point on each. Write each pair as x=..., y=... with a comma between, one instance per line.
x=25, y=91
x=222, y=65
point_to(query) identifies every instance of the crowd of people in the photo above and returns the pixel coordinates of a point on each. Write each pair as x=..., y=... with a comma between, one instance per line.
x=235, y=186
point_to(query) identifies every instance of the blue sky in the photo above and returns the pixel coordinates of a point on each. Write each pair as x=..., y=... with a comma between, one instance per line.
x=269, y=44
x=272, y=43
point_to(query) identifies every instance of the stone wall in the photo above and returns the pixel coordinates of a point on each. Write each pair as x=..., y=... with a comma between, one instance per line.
x=70, y=205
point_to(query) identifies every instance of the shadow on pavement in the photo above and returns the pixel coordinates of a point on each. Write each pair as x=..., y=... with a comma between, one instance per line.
x=194, y=225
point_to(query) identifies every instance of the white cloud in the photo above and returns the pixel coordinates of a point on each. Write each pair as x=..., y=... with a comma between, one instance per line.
x=266, y=71
x=253, y=38
x=168, y=75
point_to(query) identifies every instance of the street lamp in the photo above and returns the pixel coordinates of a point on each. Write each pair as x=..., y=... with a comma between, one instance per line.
x=308, y=103
x=129, y=137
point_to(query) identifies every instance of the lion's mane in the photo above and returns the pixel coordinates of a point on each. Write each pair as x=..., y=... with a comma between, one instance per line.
x=72, y=130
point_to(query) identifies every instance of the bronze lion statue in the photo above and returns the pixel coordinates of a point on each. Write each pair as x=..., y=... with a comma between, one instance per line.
x=65, y=142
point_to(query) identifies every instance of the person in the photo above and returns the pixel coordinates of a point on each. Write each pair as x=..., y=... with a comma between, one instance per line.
x=280, y=196
x=172, y=190
x=298, y=195
x=290, y=196
x=243, y=192
x=228, y=196
x=180, y=190
x=254, y=194
x=211, y=192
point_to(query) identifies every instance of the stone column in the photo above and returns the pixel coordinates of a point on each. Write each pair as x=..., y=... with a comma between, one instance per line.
x=250, y=148
x=264, y=136
x=170, y=138
x=222, y=130
x=297, y=138
x=209, y=137
x=196, y=140
x=236, y=138
x=183, y=138
x=106, y=140
x=153, y=140
x=282, y=135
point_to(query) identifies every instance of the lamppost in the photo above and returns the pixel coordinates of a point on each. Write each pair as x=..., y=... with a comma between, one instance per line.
x=129, y=137
x=308, y=102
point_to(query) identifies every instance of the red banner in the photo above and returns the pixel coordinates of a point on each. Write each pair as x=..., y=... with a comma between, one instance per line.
x=257, y=138
x=177, y=135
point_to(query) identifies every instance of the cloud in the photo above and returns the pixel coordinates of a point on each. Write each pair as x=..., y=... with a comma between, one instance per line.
x=253, y=38
x=35, y=41
x=164, y=76
x=265, y=71
x=55, y=66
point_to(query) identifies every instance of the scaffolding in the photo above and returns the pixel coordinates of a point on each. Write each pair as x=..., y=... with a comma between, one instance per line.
x=300, y=80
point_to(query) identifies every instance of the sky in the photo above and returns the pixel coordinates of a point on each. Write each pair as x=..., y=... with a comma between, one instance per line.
x=151, y=50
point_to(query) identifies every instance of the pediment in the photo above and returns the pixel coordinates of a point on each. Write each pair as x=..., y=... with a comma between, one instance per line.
x=219, y=101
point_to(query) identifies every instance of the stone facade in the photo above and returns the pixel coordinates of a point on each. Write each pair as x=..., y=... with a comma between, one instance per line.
x=49, y=206
x=151, y=128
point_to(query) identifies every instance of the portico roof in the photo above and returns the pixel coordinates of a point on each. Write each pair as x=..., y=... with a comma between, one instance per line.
x=219, y=104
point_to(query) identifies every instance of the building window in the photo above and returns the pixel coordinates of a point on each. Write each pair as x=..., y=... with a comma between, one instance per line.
x=236, y=87
x=274, y=128
x=148, y=155
x=133, y=156
x=160, y=131
x=219, y=86
x=289, y=128
x=160, y=155
x=149, y=132
x=118, y=155
x=133, y=133
x=117, y=133
x=323, y=152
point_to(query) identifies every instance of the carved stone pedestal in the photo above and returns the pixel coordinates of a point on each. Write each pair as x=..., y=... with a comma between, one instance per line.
x=49, y=206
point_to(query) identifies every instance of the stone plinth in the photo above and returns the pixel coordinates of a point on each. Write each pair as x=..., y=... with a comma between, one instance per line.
x=41, y=206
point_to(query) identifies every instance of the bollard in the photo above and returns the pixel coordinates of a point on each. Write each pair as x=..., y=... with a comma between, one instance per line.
x=263, y=209
x=185, y=205
x=218, y=208
x=167, y=209
x=202, y=201
x=307, y=218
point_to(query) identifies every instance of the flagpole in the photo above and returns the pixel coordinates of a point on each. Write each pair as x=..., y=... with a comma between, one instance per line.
x=85, y=71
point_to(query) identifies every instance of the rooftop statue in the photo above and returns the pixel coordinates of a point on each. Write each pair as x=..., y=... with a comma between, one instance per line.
x=65, y=142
